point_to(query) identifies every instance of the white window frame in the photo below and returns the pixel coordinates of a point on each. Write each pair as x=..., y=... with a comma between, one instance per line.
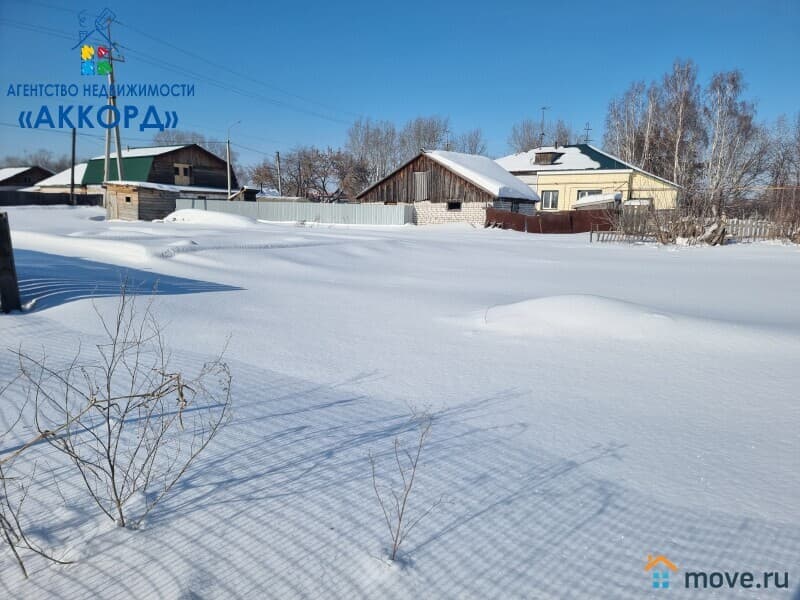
x=549, y=199
x=582, y=193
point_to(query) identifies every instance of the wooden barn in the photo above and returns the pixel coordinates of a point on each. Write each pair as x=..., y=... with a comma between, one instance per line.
x=449, y=187
x=155, y=177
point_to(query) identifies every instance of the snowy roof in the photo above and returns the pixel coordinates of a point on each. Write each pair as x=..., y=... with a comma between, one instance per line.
x=167, y=187
x=63, y=177
x=485, y=173
x=571, y=159
x=149, y=151
x=591, y=199
x=575, y=157
x=9, y=172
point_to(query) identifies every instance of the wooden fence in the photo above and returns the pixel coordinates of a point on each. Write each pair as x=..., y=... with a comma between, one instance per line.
x=642, y=225
x=573, y=221
x=18, y=198
x=753, y=229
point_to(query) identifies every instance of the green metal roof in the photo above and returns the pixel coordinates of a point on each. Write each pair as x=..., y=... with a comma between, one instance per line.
x=136, y=169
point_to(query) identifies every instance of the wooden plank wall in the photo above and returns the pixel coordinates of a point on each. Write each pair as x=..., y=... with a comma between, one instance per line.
x=208, y=170
x=443, y=186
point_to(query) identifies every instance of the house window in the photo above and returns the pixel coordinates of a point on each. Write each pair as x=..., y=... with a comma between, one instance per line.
x=454, y=206
x=582, y=193
x=421, y=181
x=183, y=174
x=127, y=198
x=550, y=199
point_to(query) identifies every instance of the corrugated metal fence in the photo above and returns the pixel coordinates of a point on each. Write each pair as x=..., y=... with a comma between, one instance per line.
x=345, y=214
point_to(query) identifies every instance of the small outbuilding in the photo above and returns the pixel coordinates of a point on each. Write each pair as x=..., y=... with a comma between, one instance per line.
x=450, y=187
x=146, y=201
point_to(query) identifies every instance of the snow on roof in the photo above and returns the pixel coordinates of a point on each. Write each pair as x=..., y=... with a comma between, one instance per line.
x=576, y=157
x=571, y=159
x=591, y=199
x=149, y=151
x=485, y=173
x=9, y=172
x=166, y=187
x=63, y=177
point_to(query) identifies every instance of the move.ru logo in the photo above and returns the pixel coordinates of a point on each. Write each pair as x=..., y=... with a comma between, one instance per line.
x=660, y=568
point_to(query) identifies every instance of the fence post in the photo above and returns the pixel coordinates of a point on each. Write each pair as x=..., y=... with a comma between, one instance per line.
x=9, y=289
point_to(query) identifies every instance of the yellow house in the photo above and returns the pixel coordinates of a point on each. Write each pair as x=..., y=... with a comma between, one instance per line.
x=580, y=175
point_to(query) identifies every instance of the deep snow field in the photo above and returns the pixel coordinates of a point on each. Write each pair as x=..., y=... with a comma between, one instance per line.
x=592, y=404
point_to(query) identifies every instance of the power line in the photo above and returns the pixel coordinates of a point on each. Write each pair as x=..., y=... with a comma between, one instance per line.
x=230, y=71
x=160, y=63
x=223, y=67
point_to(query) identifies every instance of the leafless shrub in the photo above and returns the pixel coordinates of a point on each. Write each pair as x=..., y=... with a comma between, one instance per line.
x=129, y=423
x=394, y=497
x=13, y=492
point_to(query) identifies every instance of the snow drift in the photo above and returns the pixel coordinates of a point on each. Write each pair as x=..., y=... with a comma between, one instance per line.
x=208, y=217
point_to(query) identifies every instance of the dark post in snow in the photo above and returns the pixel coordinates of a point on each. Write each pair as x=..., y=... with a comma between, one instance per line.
x=9, y=290
x=72, y=172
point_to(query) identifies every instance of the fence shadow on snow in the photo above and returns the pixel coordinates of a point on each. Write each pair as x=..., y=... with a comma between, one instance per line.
x=47, y=280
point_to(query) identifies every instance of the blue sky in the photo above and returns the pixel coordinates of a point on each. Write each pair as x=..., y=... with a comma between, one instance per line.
x=299, y=73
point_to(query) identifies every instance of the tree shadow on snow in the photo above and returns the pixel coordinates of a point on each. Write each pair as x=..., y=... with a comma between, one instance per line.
x=48, y=280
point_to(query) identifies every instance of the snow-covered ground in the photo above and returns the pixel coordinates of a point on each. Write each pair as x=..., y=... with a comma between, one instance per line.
x=592, y=404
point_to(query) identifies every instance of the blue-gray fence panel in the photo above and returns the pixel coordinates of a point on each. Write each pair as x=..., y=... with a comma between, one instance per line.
x=346, y=214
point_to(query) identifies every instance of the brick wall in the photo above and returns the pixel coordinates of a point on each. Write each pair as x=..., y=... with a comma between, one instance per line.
x=436, y=213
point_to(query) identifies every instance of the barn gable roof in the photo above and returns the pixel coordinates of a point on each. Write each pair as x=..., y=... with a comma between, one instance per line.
x=480, y=171
x=485, y=173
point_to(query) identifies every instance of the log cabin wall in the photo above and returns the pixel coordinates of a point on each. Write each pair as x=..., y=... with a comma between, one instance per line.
x=443, y=186
x=208, y=170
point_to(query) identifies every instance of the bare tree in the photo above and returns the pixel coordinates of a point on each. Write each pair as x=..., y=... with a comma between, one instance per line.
x=527, y=134
x=374, y=144
x=394, y=497
x=430, y=133
x=41, y=157
x=175, y=137
x=737, y=153
x=351, y=173
x=524, y=136
x=470, y=142
x=129, y=423
x=781, y=199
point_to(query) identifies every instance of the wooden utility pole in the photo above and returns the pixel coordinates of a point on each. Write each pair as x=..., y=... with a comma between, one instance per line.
x=9, y=289
x=72, y=171
x=228, y=156
x=587, y=129
x=112, y=100
x=278, y=161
